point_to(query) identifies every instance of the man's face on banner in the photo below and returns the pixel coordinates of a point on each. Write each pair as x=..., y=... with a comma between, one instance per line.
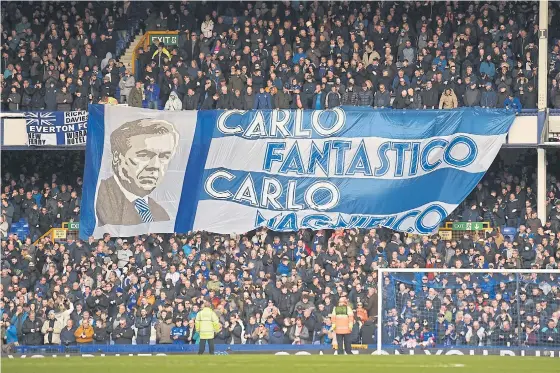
x=142, y=168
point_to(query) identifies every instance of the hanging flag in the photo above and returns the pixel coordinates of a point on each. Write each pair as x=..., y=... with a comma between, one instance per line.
x=233, y=171
x=56, y=128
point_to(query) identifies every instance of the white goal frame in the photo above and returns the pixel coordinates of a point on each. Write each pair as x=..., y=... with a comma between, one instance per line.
x=382, y=271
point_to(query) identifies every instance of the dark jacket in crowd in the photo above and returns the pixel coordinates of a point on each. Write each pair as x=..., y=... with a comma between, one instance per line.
x=207, y=101
x=100, y=335
x=401, y=102
x=67, y=336
x=333, y=100
x=134, y=98
x=32, y=332
x=471, y=97
x=27, y=97
x=430, y=98
x=191, y=102
x=64, y=101
x=14, y=101
x=382, y=99
x=350, y=98
x=263, y=101
x=281, y=100
x=80, y=103
x=143, y=326
x=365, y=98
x=122, y=336
x=249, y=101
x=529, y=99
x=236, y=102
x=223, y=101
x=38, y=99
x=488, y=99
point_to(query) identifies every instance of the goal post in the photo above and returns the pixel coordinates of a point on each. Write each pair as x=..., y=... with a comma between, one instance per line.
x=425, y=308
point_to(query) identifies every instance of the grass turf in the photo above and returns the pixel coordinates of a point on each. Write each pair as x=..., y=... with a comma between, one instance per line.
x=283, y=364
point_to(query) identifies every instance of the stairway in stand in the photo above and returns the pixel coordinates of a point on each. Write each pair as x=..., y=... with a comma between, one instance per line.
x=126, y=58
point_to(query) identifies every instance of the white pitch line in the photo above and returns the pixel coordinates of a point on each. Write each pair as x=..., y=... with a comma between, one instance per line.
x=419, y=365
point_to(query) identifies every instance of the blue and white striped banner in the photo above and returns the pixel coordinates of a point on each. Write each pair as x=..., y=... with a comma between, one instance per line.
x=233, y=171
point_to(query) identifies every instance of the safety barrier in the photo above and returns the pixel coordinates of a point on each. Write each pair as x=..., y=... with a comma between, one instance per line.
x=88, y=350
x=456, y=230
x=13, y=130
x=61, y=234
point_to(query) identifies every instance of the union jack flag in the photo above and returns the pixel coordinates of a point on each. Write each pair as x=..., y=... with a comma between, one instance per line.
x=40, y=119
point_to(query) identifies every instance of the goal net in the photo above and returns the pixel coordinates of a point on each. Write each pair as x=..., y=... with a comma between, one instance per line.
x=468, y=309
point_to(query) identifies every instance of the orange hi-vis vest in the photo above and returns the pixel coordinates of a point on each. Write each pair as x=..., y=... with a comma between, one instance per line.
x=342, y=319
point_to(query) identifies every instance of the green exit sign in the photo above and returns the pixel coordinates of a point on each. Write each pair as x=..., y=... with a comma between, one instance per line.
x=74, y=226
x=467, y=226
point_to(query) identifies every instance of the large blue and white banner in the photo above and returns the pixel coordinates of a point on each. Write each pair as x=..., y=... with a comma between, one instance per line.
x=56, y=128
x=233, y=171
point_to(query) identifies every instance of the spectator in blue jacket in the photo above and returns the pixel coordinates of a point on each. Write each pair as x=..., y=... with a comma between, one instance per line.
x=319, y=98
x=41, y=286
x=18, y=319
x=297, y=56
x=513, y=103
x=11, y=333
x=489, y=97
x=152, y=94
x=284, y=266
x=270, y=324
x=440, y=61
x=488, y=285
x=400, y=75
x=488, y=68
x=178, y=333
x=263, y=100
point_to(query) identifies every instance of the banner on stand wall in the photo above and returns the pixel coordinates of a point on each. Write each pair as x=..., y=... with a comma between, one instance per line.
x=233, y=171
x=56, y=128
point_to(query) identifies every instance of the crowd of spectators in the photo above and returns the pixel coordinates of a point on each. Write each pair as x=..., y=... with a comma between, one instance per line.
x=63, y=55
x=272, y=288
x=266, y=55
x=317, y=56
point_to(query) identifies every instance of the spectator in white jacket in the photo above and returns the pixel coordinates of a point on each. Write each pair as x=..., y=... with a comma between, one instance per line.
x=207, y=27
x=123, y=254
x=3, y=227
x=126, y=84
x=174, y=103
x=51, y=329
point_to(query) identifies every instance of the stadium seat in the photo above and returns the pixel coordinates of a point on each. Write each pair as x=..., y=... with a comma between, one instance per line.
x=510, y=232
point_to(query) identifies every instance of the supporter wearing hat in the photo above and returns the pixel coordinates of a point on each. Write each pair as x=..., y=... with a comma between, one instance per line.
x=51, y=329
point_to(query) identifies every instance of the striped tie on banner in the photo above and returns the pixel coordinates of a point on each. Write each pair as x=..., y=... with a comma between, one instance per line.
x=143, y=210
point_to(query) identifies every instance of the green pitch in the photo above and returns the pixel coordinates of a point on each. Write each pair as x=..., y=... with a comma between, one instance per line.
x=283, y=364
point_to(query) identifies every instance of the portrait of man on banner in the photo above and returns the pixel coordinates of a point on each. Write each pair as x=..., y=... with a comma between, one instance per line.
x=141, y=151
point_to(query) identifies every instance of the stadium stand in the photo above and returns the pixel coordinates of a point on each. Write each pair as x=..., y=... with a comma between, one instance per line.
x=148, y=289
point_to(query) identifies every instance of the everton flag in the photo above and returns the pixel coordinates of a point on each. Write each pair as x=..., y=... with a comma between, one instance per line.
x=56, y=128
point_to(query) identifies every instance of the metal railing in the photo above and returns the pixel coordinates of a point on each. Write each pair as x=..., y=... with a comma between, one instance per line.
x=60, y=234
